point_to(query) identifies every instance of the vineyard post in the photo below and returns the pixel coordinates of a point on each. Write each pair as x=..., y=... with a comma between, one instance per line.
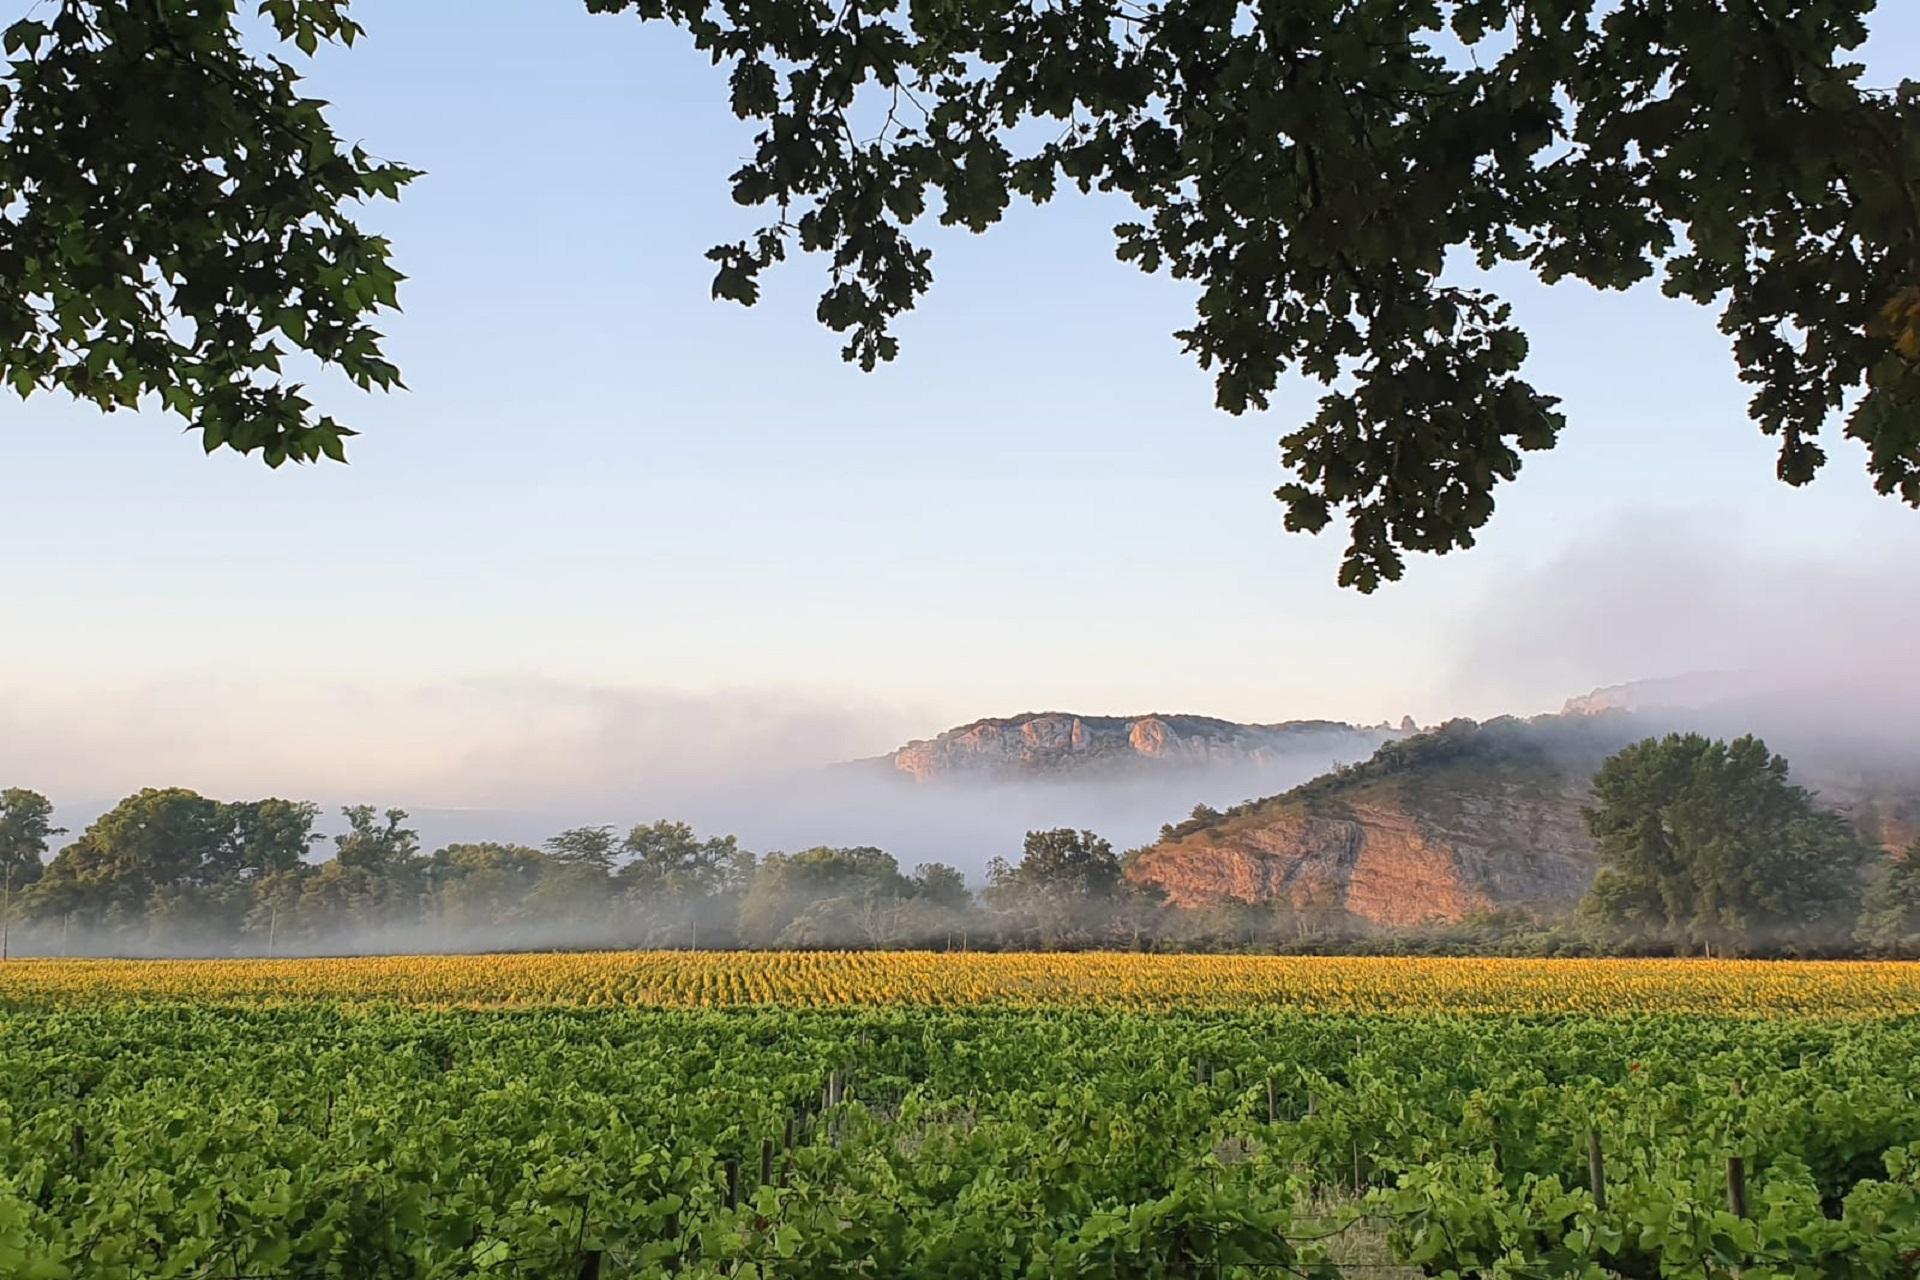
x=1736, y=1186
x=1597, y=1170
x=1272, y=1110
x=766, y=1161
x=733, y=1182
x=589, y=1258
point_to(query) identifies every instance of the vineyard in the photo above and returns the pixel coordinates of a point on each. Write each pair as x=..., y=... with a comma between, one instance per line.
x=1088, y=1116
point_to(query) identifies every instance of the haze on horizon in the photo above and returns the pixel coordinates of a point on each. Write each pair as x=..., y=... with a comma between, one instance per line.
x=622, y=548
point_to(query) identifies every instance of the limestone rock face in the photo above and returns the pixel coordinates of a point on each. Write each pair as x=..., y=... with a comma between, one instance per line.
x=1390, y=862
x=1054, y=743
x=1434, y=829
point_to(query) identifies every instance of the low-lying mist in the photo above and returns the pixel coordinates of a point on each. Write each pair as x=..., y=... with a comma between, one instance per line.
x=519, y=760
x=1809, y=653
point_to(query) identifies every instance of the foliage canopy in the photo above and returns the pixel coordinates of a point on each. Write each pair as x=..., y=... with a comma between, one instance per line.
x=1707, y=843
x=174, y=214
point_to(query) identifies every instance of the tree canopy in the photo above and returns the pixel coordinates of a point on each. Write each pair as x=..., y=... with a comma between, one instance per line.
x=1706, y=843
x=175, y=214
x=26, y=824
x=1890, y=911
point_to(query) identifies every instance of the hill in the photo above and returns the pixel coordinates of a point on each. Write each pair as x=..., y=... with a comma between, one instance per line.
x=1463, y=819
x=1468, y=818
x=1061, y=744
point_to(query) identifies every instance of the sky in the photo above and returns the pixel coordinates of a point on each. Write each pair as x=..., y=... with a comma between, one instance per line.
x=616, y=532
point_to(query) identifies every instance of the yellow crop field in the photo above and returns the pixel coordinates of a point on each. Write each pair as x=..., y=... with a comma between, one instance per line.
x=680, y=980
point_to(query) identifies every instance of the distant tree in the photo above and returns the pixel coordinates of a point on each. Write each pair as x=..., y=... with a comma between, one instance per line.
x=26, y=825
x=1075, y=862
x=681, y=888
x=151, y=842
x=268, y=839
x=835, y=896
x=1707, y=844
x=1141, y=914
x=1890, y=913
x=589, y=846
x=174, y=864
x=270, y=836
x=275, y=918
x=375, y=841
x=376, y=877
x=476, y=886
x=666, y=858
x=1061, y=891
x=939, y=885
x=575, y=902
x=1202, y=817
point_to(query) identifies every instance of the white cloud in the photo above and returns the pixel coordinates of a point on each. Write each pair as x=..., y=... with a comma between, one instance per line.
x=499, y=741
x=1665, y=594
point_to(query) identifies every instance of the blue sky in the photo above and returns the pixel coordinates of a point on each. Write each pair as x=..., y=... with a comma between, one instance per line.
x=602, y=481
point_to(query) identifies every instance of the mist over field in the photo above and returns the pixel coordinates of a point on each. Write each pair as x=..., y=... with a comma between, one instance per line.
x=1677, y=620
x=962, y=822
x=1808, y=651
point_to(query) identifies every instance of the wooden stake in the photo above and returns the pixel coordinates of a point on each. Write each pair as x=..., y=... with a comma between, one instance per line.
x=733, y=1183
x=1273, y=1109
x=1596, y=1170
x=1736, y=1186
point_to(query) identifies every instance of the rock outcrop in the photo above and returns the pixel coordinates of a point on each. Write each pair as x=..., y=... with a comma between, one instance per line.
x=1466, y=819
x=1058, y=743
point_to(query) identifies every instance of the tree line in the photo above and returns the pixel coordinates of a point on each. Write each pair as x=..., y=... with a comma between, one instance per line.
x=169, y=870
x=1704, y=846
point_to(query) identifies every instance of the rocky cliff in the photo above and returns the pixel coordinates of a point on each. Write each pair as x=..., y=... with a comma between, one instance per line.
x=1058, y=743
x=1465, y=819
x=1462, y=820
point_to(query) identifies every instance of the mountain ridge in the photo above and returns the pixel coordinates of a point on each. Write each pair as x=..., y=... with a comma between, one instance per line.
x=1053, y=743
